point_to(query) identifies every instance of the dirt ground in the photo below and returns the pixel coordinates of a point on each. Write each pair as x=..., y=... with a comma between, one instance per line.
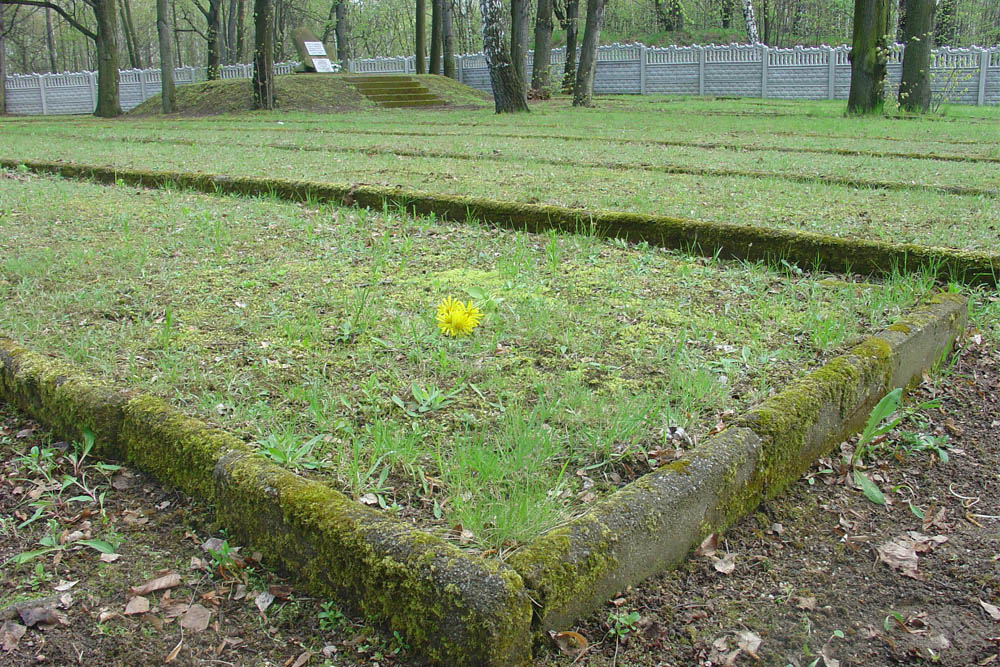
x=819, y=576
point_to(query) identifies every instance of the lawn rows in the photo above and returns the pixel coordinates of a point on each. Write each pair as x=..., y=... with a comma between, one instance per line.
x=920, y=216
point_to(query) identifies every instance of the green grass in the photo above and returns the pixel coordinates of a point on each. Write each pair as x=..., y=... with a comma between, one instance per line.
x=770, y=163
x=310, y=330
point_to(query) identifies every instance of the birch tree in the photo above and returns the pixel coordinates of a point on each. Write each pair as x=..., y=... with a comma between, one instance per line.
x=751, y=22
x=509, y=94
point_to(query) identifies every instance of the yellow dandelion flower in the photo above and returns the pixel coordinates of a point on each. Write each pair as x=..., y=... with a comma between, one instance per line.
x=455, y=318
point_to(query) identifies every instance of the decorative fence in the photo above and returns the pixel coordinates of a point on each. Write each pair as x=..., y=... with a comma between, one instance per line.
x=76, y=92
x=962, y=76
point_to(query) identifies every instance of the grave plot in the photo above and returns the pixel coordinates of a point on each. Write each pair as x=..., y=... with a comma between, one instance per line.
x=311, y=333
x=930, y=182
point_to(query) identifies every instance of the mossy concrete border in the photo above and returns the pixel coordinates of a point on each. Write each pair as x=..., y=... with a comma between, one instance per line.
x=453, y=608
x=709, y=238
x=651, y=524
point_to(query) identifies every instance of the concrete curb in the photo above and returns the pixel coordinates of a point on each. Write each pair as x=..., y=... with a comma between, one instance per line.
x=651, y=524
x=731, y=241
x=452, y=607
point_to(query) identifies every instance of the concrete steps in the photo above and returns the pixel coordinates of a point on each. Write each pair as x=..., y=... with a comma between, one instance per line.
x=389, y=90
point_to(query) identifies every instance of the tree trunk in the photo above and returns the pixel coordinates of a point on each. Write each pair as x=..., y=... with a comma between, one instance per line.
x=751, y=22
x=435, y=66
x=726, y=13
x=49, y=41
x=108, y=105
x=868, y=56
x=583, y=93
x=128, y=29
x=231, y=32
x=448, y=39
x=915, y=87
x=177, y=33
x=168, y=96
x=508, y=90
x=572, y=29
x=520, y=15
x=240, y=32
x=213, y=62
x=946, y=30
x=263, y=54
x=343, y=46
x=421, y=48
x=3, y=63
x=541, y=80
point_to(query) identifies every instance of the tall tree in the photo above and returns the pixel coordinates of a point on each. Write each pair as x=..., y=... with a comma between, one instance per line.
x=168, y=96
x=669, y=14
x=520, y=14
x=49, y=41
x=583, y=92
x=3, y=61
x=213, y=18
x=868, y=56
x=946, y=30
x=128, y=31
x=421, y=48
x=751, y=22
x=541, y=70
x=508, y=90
x=263, y=54
x=105, y=39
x=436, y=37
x=569, y=21
x=901, y=21
x=915, y=87
x=726, y=13
x=448, y=39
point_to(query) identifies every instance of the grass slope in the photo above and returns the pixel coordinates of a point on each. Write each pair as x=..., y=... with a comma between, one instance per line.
x=316, y=93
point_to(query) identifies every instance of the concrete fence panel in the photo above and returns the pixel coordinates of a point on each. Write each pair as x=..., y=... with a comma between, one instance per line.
x=962, y=76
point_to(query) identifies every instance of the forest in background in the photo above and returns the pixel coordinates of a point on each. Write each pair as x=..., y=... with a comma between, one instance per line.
x=38, y=39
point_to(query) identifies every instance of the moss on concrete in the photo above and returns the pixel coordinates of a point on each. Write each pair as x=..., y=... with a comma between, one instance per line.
x=458, y=609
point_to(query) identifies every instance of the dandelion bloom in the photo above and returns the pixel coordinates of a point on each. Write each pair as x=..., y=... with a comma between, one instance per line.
x=455, y=318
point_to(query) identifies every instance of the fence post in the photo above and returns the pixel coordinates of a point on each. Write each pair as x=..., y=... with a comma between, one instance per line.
x=763, y=71
x=701, y=70
x=41, y=91
x=642, y=69
x=142, y=84
x=460, y=69
x=984, y=64
x=831, y=72
x=406, y=65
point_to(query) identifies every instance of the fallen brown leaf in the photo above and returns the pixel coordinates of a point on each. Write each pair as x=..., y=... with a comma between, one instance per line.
x=749, y=642
x=173, y=654
x=900, y=555
x=726, y=564
x=572, y=644
x=137, y=605
x=42, y=615
x=805, y=603
x=263, y=601
x=993, y=611
x=708, y=545
x=302, y=659
x=166, y=581
x=10, y=635
x=196, y=618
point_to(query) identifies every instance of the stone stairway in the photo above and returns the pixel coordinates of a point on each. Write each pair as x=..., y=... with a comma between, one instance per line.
x=394, y=91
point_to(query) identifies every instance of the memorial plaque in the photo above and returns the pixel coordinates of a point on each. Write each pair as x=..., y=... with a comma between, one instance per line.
x=312, y=53
x=315, y=49
x=322, y=64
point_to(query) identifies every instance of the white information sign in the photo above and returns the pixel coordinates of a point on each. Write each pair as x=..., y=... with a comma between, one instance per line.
x=322, y=64
x=315, y=48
